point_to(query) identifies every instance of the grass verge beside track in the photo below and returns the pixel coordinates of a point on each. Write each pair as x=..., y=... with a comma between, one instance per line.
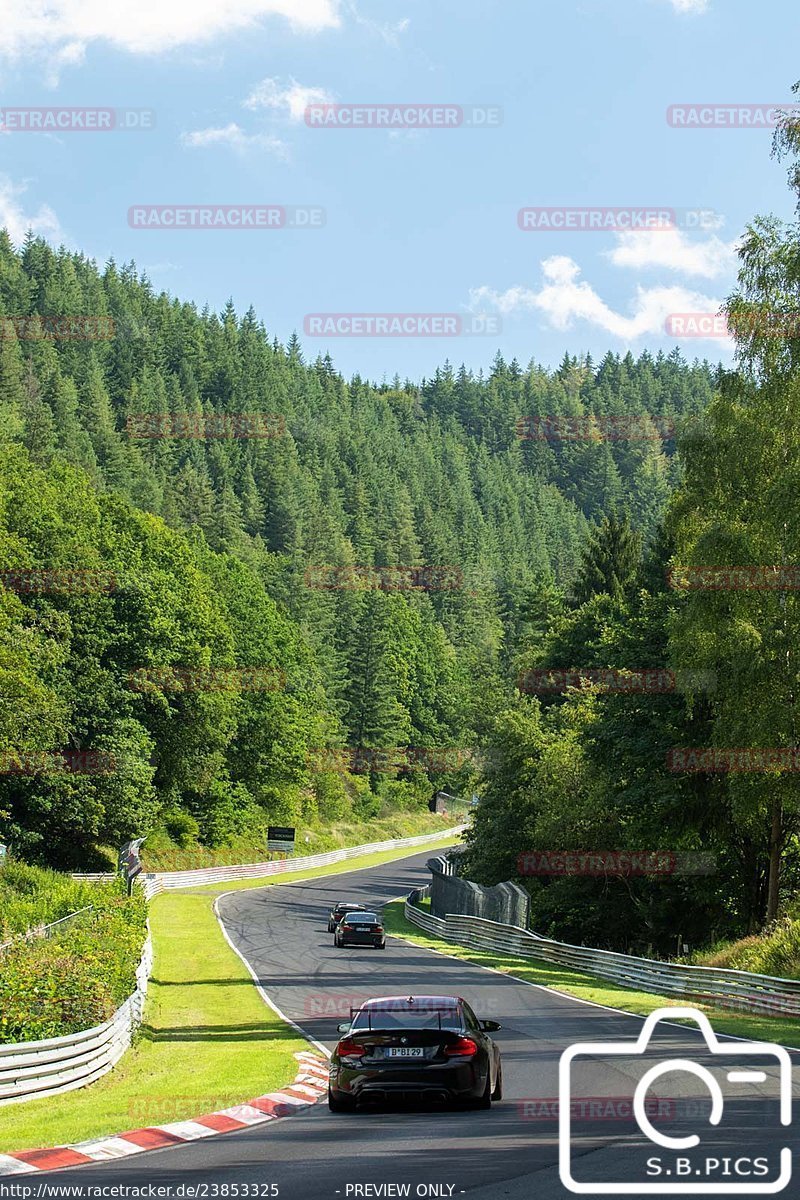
x=784, y=1031
x=207, y=1041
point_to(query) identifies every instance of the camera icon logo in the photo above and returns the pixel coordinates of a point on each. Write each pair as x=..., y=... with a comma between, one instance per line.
x=678, y=1172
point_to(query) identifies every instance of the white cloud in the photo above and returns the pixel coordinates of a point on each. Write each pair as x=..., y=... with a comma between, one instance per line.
x=236, y=139
x=690, y=6
x=290, y=98
x=44, y=222
x=390, y=32
x=159, y=268
x=565, y=298
x=671, y=248
x=64, y=28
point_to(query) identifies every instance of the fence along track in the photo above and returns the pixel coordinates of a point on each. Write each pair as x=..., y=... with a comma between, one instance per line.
x=45, y=931
x=743, y=991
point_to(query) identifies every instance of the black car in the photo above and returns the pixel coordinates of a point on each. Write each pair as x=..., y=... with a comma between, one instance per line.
x=338, y=911
x=415, y=1047
x=360, y=929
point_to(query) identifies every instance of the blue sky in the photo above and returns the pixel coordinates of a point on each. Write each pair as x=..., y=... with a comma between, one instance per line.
x=415, y=222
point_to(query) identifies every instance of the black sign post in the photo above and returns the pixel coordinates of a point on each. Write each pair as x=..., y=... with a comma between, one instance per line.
x=130, y=864
x=281, y=837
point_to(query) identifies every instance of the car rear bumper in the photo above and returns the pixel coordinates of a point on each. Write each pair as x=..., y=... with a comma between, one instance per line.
x=361, y=940
x=440, y=1081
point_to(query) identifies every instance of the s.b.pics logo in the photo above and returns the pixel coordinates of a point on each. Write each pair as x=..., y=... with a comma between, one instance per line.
x=721, y=1140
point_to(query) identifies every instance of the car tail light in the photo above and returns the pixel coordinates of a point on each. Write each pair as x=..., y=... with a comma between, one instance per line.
x=377, y=929
x=346, y=928
x=350, y=1049
x=462, y=1047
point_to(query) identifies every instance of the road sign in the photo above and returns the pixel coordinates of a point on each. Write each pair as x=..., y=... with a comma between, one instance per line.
x=281, y=837
x=129, y=862
x=3, y=852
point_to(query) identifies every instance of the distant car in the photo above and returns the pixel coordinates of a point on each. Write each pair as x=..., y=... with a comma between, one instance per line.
x=360, y=929
x=415, y=1047
x=338, y=911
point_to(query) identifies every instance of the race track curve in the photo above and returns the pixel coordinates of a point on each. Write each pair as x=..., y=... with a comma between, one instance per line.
x=509, y=1152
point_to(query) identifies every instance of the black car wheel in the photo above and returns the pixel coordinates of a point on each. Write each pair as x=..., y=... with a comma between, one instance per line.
x=338, y=1104
x=486, y=1099
x=380, y=945
x=497, y=1094
x=331, y=926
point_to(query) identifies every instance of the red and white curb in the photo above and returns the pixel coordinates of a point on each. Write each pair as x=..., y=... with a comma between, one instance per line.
x=308, y=1087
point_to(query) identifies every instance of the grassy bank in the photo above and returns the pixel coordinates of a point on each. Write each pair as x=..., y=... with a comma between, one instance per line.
x=774, y=952
x=161, y=854
x=31, y=896
x=78, y=976
x=783, y=1030
x=208, y=1040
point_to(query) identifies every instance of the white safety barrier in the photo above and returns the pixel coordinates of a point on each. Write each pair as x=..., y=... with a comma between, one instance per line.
x=32, y=1069
x=740, y=990
x=162, y=881
x=29, y=1070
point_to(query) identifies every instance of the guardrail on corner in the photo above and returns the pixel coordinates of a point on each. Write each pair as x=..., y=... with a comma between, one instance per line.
x=159, y=881
x=743, y=991
x=31, y=1070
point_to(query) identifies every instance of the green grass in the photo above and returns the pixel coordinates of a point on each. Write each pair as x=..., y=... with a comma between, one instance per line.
x=774, y=952
x=160, y=854
x=782, y=1030
x=208, y=1040
x=31, y=896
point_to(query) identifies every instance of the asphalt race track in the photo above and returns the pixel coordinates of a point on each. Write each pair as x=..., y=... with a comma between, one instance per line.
x=510, y=1151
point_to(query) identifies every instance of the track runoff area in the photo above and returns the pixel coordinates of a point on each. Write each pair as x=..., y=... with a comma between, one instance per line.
x=595, y=1101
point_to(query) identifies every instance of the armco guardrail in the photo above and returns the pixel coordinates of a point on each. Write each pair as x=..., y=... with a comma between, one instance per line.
x=161, y=881
x=30, y=1070
x=741, y=990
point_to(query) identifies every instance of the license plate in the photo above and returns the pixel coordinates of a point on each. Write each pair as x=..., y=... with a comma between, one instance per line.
x=405, y=1052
